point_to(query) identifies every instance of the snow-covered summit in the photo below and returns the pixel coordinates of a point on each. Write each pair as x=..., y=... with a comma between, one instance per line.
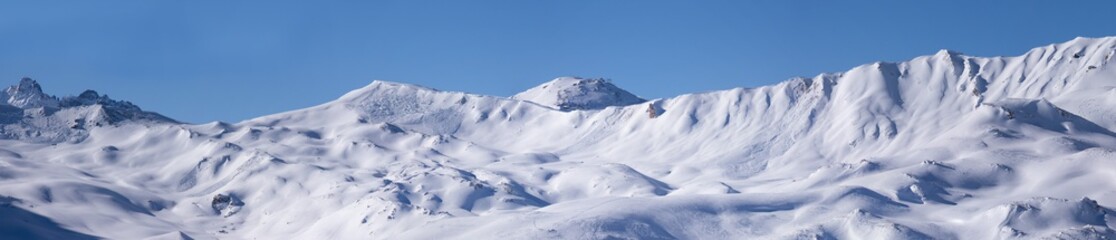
x=114, y=110
x=381, y=87
x=29, y=113
x=573, y=93
x=28, y=94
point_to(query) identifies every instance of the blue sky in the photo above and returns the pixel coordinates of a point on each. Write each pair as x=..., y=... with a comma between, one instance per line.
x=200, y=61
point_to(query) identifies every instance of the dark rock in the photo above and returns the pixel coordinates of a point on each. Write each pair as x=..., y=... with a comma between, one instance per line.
x=226, y=204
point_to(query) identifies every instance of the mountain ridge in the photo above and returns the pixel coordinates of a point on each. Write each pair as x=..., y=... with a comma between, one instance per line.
x=941, y=146
x=30, y=114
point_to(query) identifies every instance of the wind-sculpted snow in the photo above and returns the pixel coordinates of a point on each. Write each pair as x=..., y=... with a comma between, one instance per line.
x=945, y=146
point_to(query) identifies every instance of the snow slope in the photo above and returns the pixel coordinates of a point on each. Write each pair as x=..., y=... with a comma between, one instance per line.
x=945, y=146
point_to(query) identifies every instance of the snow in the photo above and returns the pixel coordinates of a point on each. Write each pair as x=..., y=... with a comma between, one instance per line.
x=573, y=93
x=28, y=94
x=945, y=146
x=31, y=115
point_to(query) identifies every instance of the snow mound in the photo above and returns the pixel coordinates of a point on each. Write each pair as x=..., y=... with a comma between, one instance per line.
x=1044, y=114
x=572, y=93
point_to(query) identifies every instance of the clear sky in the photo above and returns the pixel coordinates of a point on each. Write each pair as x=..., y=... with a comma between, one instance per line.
x=200, y=61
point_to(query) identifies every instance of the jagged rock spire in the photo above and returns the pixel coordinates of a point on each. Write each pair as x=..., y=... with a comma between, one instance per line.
x=29, y=94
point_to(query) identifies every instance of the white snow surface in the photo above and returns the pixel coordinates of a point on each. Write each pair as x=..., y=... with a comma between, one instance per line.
x=573, y=93
x=945, y=146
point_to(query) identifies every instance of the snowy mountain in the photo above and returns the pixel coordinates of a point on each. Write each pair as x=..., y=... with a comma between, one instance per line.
x=34, y=116
x=945, y=146
x=28, y=94
x=571, y=93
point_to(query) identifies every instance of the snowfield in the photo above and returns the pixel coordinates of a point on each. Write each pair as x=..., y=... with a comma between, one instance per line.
x=945, y=146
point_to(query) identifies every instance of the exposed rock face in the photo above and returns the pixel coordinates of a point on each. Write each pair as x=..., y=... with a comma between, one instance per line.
x=653, y=110
x=226, y=204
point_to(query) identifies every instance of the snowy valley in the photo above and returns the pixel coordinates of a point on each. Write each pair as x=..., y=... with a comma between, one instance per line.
x=944, y=146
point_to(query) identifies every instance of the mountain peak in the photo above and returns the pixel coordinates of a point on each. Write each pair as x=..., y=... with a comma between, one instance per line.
x=390, y=84
x=379, y=87
x=28, y=94
x=28, y=83
x=575, y=93
x=948, y=52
